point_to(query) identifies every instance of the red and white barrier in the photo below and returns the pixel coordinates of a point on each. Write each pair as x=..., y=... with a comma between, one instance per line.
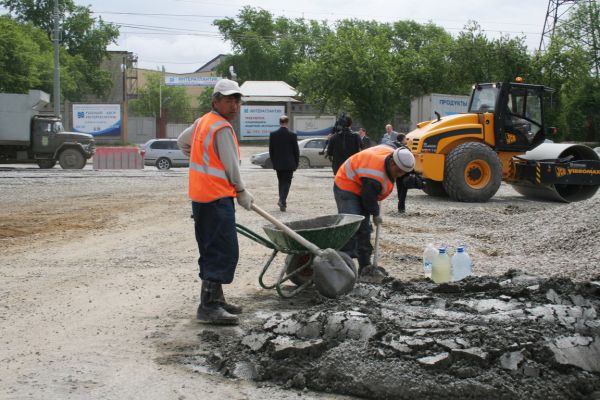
x=118, y=158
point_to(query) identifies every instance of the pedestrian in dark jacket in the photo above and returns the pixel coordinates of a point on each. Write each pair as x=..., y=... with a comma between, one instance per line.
x=365, y=141
x=343, y=144
x=284, y=154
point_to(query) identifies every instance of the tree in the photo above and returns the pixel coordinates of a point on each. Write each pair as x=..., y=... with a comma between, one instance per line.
x=175, y=101
x=84, y=40
x=353, y=69
x=571, y=65
x=25, y=57
x=274, y=44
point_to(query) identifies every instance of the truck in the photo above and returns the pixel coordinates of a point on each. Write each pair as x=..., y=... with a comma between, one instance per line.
x=424, y=108
x=502, y=137
x=30, y=135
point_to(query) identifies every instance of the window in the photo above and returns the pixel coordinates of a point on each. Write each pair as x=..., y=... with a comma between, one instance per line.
x=160, y=145
x=314, y=144
x=484, y=99
x=173, y=145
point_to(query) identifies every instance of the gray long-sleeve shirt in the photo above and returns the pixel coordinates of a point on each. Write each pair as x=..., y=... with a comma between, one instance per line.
x=224, y=146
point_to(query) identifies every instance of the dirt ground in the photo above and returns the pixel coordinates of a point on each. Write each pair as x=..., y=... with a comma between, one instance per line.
x=100, y=288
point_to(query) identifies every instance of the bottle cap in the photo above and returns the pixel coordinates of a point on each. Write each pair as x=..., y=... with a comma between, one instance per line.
x=442, y=250
x=460, y=249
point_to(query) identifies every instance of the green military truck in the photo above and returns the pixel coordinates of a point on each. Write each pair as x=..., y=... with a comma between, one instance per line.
x=28, y=135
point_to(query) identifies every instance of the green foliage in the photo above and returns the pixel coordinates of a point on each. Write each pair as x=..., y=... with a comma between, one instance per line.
x=175, y=101
x=373, y=70
x=274, y=44
x=83, y=46
x=25, y=57
x=205, y=100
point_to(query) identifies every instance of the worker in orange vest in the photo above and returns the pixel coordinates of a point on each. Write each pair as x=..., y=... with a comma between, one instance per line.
x=360, y=183
x=214, y=181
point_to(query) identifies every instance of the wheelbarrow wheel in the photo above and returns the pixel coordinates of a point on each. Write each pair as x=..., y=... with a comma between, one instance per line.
x=295, y=261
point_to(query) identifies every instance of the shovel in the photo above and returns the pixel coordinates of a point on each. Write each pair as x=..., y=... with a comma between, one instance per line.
x=332, y=276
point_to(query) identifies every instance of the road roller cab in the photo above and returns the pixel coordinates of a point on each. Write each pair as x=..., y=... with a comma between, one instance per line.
x=466, y=156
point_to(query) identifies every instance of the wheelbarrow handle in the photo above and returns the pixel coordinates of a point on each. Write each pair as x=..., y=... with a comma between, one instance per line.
x=309, y=246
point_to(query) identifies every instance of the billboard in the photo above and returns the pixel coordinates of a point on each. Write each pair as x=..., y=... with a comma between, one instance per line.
x=313, y=125
x=256, y=122
x=175, y=80
x=97, y=119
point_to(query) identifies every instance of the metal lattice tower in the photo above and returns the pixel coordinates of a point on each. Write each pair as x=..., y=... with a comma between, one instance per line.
x=557, y=9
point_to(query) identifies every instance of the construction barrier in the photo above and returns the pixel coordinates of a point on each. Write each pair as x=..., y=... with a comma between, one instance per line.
x=118, y=158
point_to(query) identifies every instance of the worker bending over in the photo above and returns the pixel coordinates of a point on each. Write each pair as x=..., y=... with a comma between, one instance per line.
x=360, y=183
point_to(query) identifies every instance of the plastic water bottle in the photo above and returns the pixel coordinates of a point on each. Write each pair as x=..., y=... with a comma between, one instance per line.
x=440, y=269
x=428, y=255
x=461, y=264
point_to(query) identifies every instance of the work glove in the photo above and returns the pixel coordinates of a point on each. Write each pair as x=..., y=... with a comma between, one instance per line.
x=377, y=220
x=245, y=199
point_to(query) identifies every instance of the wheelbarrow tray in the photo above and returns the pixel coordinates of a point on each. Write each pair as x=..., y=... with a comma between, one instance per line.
x=326, y=232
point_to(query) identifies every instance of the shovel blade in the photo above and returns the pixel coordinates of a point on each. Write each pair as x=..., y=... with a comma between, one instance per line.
x=334, y=273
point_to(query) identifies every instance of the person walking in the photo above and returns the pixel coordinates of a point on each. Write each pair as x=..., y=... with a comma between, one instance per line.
x=411, y=180
x=365, y=141
x=342, y=143
x=390, y=135
x=365, y=179
x=284, y=154
x=214, y=181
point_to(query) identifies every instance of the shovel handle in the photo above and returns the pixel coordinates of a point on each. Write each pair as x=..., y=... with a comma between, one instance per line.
x=376, y=251
x=311, y=247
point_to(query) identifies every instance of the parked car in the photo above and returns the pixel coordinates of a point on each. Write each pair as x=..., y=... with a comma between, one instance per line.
x=164, y=154
x=310, y=155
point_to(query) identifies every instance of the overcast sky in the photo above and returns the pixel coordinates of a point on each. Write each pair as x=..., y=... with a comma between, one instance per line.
x=182, y=38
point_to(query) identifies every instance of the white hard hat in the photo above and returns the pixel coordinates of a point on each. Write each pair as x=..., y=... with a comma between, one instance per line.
x=227, y=87
x=404, y=159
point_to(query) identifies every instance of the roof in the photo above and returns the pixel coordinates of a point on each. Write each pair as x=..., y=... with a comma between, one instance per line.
x=269, y=99
x=268, y=89
x=212, y=64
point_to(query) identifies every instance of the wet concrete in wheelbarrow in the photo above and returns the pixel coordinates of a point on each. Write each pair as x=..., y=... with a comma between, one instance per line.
x=509, y=337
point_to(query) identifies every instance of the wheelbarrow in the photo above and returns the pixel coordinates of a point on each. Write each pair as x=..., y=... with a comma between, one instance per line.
x=329, y=231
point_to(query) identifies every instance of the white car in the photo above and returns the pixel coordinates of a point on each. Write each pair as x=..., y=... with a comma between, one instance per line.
x=164, y=154
x=311, y=155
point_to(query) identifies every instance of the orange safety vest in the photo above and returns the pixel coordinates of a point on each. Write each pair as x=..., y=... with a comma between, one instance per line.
x=369, y=163
x=207, y=179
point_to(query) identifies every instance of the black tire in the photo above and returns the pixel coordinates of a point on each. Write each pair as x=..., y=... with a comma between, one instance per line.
x=46, y=164
x=163, y=164
x=473, y=173
x=303, y=163
x=268, y=164
x=295, y=261
x=71, y=159
x=434, y=188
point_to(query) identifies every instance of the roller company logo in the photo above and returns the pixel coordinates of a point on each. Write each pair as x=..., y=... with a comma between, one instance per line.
x=511, y=138
x=560, y=172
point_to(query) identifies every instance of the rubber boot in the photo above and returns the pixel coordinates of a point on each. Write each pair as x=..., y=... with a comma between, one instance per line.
x=210, y=310
x=229, y=307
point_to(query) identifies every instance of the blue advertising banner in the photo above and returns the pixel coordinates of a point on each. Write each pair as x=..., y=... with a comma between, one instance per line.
x=97, y=119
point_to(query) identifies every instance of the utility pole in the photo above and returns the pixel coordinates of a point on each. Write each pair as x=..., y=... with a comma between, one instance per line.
x=557, y=9
x=56, y=40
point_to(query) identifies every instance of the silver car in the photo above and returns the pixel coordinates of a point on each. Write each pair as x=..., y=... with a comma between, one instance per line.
x=164, y=154
x=311, y=155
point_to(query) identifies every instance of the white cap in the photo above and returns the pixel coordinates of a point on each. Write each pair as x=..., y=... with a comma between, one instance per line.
x=227, y=87
x=404, y=159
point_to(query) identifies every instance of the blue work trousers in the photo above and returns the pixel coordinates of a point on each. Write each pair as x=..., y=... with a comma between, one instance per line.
x=216, y=235
x=359, y=246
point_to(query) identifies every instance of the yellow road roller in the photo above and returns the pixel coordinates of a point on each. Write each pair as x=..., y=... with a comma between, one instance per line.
x=501, y=137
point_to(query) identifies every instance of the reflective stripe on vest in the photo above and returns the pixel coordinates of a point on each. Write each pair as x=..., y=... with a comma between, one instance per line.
x=207, y=178
x=369, y=163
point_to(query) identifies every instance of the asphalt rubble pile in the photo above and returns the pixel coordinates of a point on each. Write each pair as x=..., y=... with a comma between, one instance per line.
x=509, y=337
